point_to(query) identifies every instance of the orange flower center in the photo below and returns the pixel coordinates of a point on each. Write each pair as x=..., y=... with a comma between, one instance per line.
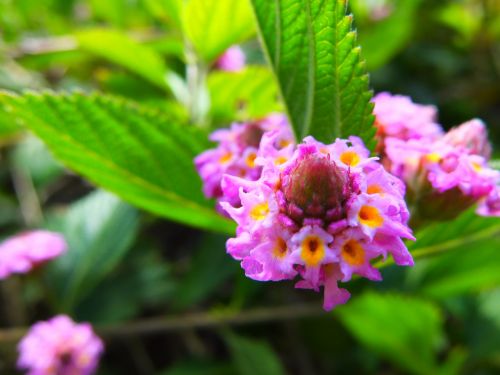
x=370, y=216
x=313, y=250
x=353, y=253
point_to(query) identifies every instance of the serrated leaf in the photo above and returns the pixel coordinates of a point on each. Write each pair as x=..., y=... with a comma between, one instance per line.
x=120, y=49
x=212, y=26
x=313, y=51
x=404, y=330
x=469, y=261
x=249, y=93
x=139, y=154
x=99, y=230
x=252, y=357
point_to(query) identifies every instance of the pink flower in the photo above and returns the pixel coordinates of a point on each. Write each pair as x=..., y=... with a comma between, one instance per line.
x=237, y=153
x=232, y=60
x=471, y=136
x=60, y=346
x=396, y=116
x=442, y=179
x=24, y=251
x=323, y=213
x=491, y=205
x=444, y=173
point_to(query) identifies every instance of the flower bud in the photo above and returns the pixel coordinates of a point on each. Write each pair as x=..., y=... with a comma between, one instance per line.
x=316, y=186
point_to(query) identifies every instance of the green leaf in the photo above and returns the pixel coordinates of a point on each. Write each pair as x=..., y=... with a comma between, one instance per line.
x=142, y=280
x=165, y=10
x=32, y=157
x=404, y=330
x=199, y=368
x=120, y=49
x=139, y=154
x=212, y=26
x=469, y=261
x=312, y=49
x=382, y=40
x=249, y=93
x=99, y=230
x=252, y=356
x=210, y=267
x=9, y=130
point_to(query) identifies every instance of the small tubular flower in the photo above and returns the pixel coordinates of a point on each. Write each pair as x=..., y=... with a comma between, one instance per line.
x=232, y=60
x=237, y=153
x=24, y=251
x=59, y=346
x=322, y=213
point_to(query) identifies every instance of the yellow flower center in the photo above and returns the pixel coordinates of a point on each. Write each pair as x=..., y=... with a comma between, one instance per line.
x=374, y=189
x=226, y=158
x=259, y=211
x=313, y=250
x=477, y=167
x=370, y=216
x=350, y=158
x=433, y=157
x=353, y=253
x=250, y=159
x=283, y=143
x=280, y=160
x=280, y=248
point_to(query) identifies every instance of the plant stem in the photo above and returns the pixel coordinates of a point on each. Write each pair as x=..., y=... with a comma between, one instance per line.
x=191, y=321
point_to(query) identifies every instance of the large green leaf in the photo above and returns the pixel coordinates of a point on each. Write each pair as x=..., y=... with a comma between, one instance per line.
x=214, y=25
x=469, y=261
x=252, y=356
x=313, y=51
x=99, y=230
x=141, y=155
x=405, y=331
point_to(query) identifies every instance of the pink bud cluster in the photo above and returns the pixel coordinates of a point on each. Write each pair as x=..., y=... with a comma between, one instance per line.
x=24, y=251
x=60, y=346
x=236, y=152
x=445, y=173
x=318, y=212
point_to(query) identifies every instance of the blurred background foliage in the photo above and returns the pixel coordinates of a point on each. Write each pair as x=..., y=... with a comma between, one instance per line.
x=127, y=265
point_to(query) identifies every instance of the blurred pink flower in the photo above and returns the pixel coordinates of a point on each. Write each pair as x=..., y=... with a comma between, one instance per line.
x=471, y=136
x=24, y=251
x=232, y=60
x=323, y=213
x=445, y=173
x=59, y=346
x=396, y=116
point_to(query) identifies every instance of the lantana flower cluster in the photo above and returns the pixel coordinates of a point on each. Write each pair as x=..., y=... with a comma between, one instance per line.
x=236, y=152
x=445, y=173
x=60, y=346
x=25, y=251
x=318, y=212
